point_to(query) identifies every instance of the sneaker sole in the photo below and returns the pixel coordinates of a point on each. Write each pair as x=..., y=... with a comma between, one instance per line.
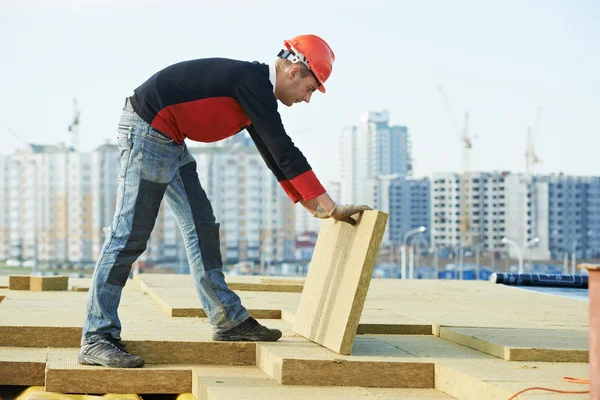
x=88, y=360
x=242, y=338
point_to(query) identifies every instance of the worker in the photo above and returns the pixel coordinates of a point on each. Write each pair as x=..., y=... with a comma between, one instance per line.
x=203, y=100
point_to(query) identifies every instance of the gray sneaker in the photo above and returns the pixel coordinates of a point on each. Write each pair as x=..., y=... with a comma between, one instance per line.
x=109, y=353
x=248, y=331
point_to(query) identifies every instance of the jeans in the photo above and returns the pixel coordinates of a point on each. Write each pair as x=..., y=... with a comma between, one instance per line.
x=153, y=166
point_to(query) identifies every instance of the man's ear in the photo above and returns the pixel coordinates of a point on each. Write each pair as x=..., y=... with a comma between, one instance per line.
x=293, y=72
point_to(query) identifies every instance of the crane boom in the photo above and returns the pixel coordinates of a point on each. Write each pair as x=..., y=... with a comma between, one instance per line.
x=19, y=138
x=465, y=218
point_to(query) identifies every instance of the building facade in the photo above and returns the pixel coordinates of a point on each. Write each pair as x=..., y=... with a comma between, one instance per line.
x=408, y=203
x=487, y=208
x=370, y=149
x=57, y=206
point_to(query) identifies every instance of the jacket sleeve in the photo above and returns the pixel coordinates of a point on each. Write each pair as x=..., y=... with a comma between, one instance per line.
x=283, y=158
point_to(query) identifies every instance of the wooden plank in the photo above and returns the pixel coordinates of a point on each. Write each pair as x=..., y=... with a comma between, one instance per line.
x=48, y=283
x=338, y=279
x=65, y=375
x=22, y=366
x=523, y=344
x=18, y=282
x=373, y=363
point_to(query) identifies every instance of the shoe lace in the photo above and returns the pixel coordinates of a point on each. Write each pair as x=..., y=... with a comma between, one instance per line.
x=116, y=344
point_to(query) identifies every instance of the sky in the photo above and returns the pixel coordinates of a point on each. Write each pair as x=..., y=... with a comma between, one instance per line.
x=500, y=61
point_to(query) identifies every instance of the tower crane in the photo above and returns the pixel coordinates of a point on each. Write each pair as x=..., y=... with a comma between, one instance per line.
x=530, y=157
x=530, y=160
x=74, y=127
x=467, y=145
x=19, y=138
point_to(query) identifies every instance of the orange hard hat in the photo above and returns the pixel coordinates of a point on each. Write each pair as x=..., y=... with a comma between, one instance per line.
x=314, y=52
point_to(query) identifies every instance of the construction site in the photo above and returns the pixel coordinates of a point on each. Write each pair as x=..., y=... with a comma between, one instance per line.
x=469, y=283
x=345, y=336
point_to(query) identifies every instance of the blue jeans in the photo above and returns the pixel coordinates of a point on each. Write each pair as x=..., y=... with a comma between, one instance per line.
x=153, y=166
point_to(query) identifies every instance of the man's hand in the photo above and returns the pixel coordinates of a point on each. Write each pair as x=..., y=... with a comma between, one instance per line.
x=341, y=212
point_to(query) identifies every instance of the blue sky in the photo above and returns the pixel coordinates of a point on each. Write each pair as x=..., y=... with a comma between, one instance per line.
x=499, y=60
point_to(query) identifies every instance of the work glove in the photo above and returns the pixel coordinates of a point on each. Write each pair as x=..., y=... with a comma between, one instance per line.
x=341, y=212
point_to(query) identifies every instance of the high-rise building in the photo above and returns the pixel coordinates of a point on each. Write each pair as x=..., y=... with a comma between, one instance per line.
x=527, y=216
x=104, y=183
x=80, y=208
x=370, y=149
x=408, y=203
x=487, y=207
x=232, y=177
x=256, y=216
x=574, y=216
x=37, y=196
x=546, y=216
x=562, y=211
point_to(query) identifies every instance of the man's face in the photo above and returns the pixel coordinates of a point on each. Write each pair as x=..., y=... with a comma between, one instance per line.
x=298, y=89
